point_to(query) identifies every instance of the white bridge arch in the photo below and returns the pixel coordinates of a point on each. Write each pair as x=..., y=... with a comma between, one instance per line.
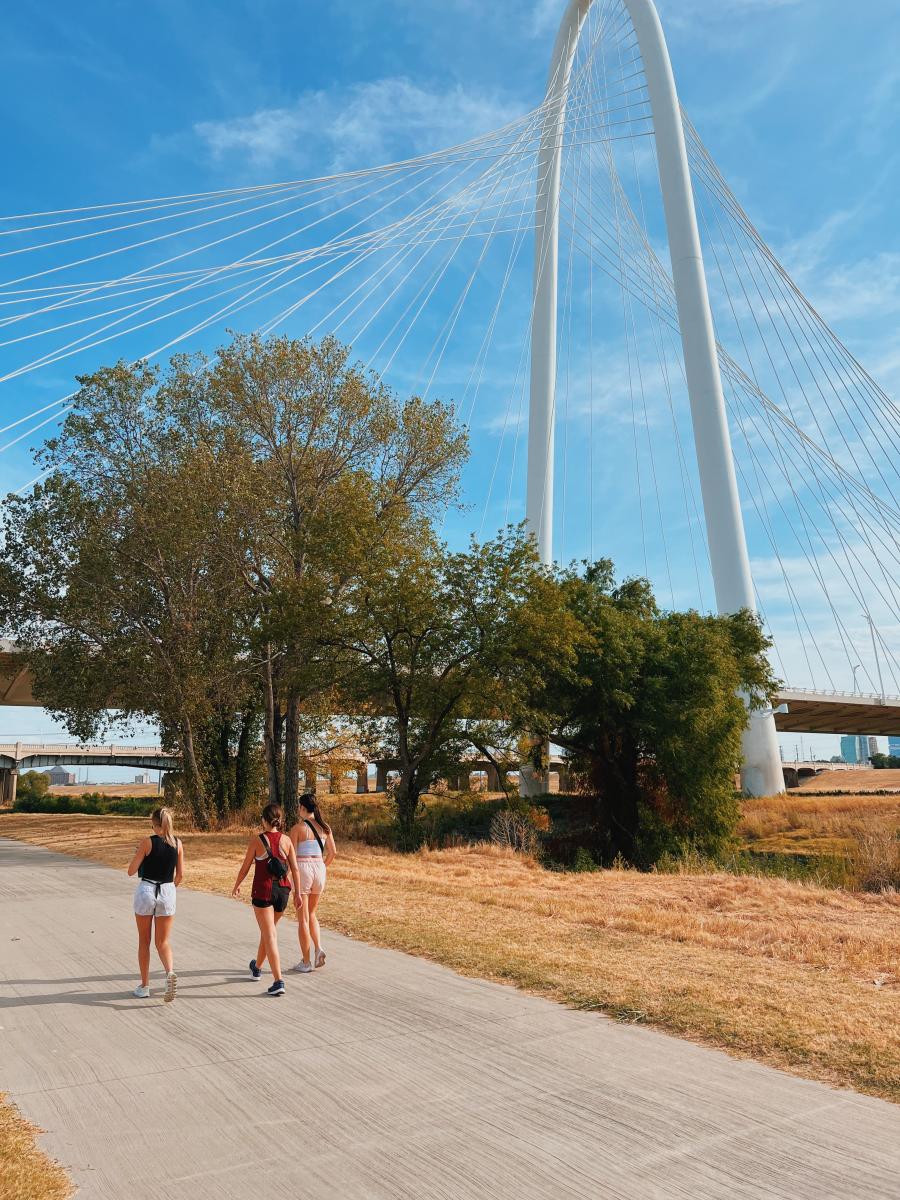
x=730, y=562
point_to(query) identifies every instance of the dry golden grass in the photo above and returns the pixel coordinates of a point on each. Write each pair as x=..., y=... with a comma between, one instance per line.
x=145, y=790
x=863, y=780
x=26, y=1173
x=798, y=976
x=817, y=824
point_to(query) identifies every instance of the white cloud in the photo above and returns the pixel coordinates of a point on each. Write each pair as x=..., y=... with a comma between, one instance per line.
x=362, y=125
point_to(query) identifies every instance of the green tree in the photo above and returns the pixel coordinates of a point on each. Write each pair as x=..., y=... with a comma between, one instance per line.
x=328, y=467
x=113, y=582
x=652, y=716
x=32, y=785
x=440, y=639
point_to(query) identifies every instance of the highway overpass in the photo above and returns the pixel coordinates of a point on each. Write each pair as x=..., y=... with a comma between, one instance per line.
x=808, y=711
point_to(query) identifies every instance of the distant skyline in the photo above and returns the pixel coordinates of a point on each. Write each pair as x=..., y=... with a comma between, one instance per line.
x=797, y=100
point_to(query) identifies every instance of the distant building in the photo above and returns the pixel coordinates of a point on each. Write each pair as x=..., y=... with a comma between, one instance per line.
x=144, y=777
x=858, y=748
x=850, y=748
x=60, y=777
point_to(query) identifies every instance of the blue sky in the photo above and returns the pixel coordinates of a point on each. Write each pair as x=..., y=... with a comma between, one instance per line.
x=797, y=100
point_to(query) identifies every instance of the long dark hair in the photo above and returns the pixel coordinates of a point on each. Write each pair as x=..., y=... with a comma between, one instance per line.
x=310, y=802
x=273, y=815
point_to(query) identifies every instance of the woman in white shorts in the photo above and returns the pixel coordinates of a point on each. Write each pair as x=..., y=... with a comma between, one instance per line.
x=314, y=844
x=159, y=861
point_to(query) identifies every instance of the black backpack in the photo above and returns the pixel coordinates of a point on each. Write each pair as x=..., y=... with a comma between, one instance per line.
x=277, y=867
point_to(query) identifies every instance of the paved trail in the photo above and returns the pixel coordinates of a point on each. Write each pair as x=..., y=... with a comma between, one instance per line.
x=402, y=1079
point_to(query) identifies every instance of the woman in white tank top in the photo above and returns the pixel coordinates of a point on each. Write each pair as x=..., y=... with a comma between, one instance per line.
x=314, y=844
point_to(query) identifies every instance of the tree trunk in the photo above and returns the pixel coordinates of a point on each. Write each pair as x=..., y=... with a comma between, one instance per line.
x=194, y=785
x=272, y=736
x=406, y=801
x=290, y=788
x=242, y=766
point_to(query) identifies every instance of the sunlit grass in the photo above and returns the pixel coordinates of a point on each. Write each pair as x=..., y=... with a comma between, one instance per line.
x=26, y=1173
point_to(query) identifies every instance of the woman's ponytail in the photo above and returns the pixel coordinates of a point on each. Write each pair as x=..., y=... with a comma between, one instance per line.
x=310, y=802
x=163, y=819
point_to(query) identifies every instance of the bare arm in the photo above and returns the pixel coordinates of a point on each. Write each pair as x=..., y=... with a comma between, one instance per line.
x=179, y=866
x=330, y=849
x=245, y=866
x=140, y=854
x=295, y=873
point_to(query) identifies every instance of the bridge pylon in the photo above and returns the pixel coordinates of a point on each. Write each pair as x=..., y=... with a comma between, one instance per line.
x=761, y=772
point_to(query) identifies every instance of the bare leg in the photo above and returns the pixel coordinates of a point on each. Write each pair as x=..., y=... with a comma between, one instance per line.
x=145, y=928
x=314, y=930
x=265, y=919
x=163, y=948
x=261, y=954
x=303, y=928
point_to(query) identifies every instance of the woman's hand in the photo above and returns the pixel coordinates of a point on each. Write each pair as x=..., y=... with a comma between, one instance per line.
x=236, y=891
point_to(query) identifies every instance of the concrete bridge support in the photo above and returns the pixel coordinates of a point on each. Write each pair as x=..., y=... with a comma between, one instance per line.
x=9, y=778
x=362, y=780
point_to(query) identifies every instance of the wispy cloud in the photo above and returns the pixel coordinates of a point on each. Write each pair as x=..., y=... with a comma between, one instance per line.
x=360, y=125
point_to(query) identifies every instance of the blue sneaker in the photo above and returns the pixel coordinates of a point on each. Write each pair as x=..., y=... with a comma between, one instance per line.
x=277, y=988
x=255, y=972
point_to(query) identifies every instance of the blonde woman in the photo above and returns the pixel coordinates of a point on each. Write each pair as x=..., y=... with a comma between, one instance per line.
x=313, y=842
x=159, y=863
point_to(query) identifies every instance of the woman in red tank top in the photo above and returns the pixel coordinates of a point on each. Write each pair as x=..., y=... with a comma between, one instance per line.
x=274, y=861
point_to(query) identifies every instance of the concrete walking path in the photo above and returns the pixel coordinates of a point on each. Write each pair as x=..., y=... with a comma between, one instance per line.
x=401, y=1079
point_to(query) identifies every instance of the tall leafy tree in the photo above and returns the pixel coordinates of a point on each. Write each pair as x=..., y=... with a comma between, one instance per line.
x=439, y=639
x=113, y=583
x=329, y=468
x=653, y=714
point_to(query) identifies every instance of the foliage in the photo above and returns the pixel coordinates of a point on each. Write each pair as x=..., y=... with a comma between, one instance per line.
x=93, y=803
x=882, y=762
x=327, y=465
x=438, y=638
x=32, y=786
x=192, y=541
x=112, y=578
x=651, y=717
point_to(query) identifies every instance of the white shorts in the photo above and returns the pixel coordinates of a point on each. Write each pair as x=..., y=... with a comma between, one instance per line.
x=154, y=900
x=312, y=876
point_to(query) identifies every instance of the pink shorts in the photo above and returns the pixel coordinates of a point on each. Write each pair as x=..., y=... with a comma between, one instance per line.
x=312, y=876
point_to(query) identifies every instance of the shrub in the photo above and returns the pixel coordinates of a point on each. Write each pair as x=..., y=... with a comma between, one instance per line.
x=875, y=861
x=515, y=830
x=89, y=803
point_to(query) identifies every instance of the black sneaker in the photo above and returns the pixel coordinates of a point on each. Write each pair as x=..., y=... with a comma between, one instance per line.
x=255, y=972
x=277, y=988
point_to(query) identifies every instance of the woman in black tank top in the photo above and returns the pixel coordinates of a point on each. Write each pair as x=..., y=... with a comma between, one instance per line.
x=159, y=862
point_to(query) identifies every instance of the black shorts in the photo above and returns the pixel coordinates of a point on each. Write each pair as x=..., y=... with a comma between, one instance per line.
x=279, y=900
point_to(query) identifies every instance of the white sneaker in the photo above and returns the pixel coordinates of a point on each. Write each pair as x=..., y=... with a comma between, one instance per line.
x=320, y=957
x=303, y=967
x=171, y=985
x=142, y=992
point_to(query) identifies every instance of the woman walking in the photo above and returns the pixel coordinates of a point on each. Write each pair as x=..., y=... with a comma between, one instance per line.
x=314, y=844
x=272, y=856
x=159, y=862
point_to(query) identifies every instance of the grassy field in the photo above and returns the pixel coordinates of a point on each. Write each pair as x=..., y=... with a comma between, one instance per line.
x=802, y=977
x=25, y=1172
x=857, y=831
